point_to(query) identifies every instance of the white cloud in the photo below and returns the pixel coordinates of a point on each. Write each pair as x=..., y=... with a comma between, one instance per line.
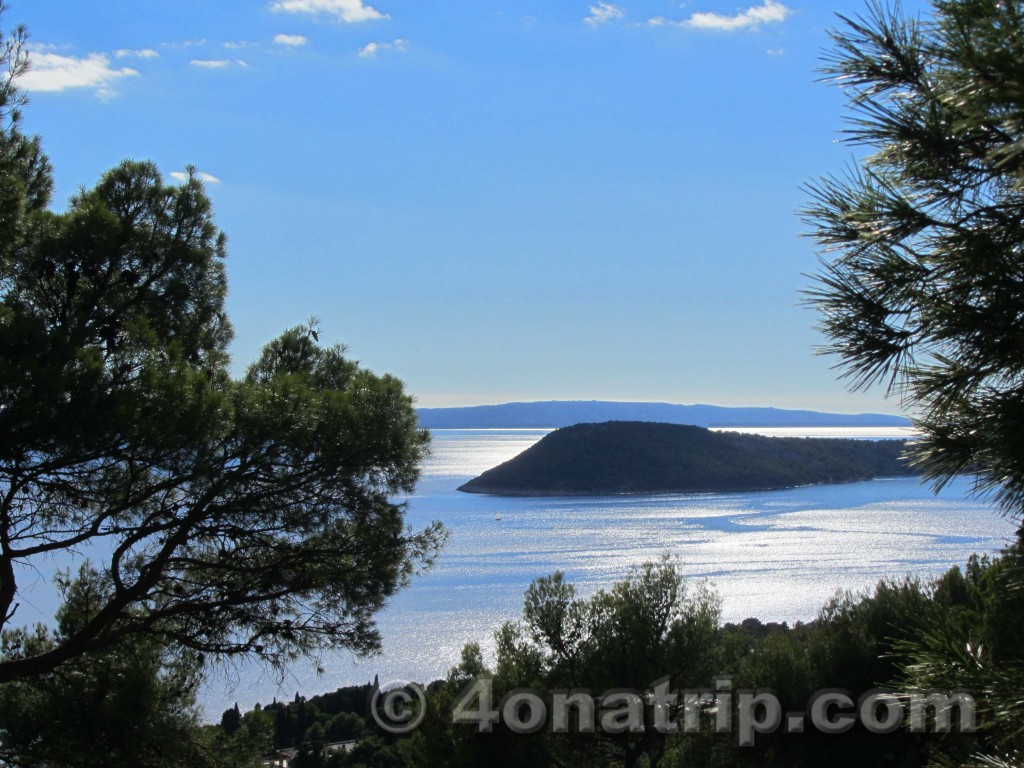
x=185, y=44
x=603, y=12
x=372, y=49
x=53, y=72
x=769, y=12
x=290, y=40
x=204, y=177
x=142, y=53
x=348, y=11
x=210, y=63
x=775, y=51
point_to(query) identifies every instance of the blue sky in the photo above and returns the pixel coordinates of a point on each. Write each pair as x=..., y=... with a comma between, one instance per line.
x=494, y=200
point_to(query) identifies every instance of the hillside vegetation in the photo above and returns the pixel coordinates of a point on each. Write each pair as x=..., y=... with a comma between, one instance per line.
x=638, y=457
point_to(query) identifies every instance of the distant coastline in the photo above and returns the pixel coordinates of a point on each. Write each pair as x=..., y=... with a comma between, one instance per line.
x=554, y=414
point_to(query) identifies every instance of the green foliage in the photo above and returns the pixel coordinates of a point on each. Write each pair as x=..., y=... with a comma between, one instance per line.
x=648, y=627
x=231, y=720
x=327, y=718
x=924, y=290
x=923, y=287
x=959, y=632
x=236, y=516
x=979, y=650
x=643, y=457
x=130, y=704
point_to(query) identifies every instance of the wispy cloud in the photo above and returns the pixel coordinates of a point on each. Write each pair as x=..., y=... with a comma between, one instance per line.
x=204, y=177
x=292, y=41
x=372, y=49
x=348, y=11
x=768, y=12
x=210, y=63
x=602, y=13
x=142, y=53
x=185, y=44
x=54, y=72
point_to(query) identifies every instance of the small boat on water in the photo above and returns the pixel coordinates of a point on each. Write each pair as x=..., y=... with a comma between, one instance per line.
x=498, y=516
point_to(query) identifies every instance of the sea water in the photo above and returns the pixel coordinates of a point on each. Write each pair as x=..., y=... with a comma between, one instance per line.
x=776, y=555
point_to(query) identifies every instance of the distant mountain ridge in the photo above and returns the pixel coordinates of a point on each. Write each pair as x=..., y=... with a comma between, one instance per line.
x=640, y=457
x=553, y=414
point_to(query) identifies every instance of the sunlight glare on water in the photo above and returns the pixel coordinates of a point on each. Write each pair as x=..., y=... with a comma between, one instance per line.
x=466, y=453
x=777, y=555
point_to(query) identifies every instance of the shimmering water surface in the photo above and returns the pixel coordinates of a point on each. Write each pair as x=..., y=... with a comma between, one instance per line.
x=777, y=555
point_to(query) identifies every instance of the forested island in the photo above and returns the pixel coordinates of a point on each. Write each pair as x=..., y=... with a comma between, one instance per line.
x=639, y=457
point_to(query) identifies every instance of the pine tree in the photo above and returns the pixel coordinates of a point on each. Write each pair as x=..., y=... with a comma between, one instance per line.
x=923, y=242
